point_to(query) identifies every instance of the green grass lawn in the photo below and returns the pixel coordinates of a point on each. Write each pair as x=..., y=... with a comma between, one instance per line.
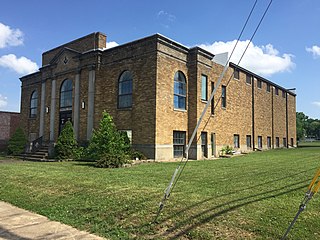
x=248, y=197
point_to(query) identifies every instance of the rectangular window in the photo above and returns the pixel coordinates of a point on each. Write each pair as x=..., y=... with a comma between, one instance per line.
x=204, y=86
x=277, y=142
x=276, y=91
x=248, y=79
x=204, y=147
x=269, y=142
x=248, y=139
x=260, y=142
x=284, y=142
x=291, y=140
x=224, y=96
x=212, y=101
x=236, y=74
x=259, y=83
x=213, y=144
x=236, y=140
x=268, y=87
x=283, y=94
x=179, y=142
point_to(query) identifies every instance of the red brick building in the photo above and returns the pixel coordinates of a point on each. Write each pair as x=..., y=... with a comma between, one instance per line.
x=9, y=121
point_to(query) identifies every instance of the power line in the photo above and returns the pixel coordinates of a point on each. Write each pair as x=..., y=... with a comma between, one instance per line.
x=178, y=171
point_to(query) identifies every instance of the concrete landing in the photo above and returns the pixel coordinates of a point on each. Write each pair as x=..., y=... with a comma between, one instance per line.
x=19, y=224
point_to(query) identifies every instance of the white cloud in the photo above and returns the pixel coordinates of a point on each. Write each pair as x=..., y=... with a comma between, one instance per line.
x=111, y=45
x=263, y=60
x=316, y=103
x=20, y=65
x=165, y=18
x=315, y=50
x=3, y=101
x=10, y=37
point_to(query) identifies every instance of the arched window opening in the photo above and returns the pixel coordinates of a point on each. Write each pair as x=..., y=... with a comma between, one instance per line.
x=179, y=100
x=125, y=90
x=34, y=104
x=66, y=95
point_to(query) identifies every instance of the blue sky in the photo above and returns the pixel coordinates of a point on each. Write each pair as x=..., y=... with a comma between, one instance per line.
x=285, y=50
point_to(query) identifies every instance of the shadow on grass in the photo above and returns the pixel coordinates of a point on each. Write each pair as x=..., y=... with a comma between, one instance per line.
x=200, y=218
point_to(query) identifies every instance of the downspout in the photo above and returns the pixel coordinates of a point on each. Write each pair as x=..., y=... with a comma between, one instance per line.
x=287, y=129
x=253, y=137
x=272, y=117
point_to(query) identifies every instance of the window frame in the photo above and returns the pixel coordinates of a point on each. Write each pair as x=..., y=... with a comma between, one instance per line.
x=259, y=83
x=236, y=140
x=125, y=99
x=249, y=140
x=277, y=142
x=236, y=74
x=64, y=95
x=223, y=96
x=268, y=142
x=248, y=76
x=204, y=87
x=33, y=110
x=268, y=87
x=179, y=146
x=276, y=91
x=180, y=78
x=212, y=100
x=260, y=144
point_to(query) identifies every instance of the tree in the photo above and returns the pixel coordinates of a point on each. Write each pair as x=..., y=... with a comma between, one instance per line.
x=67, y=146
x=17, y=142
x=301, y=120
x=108, y=144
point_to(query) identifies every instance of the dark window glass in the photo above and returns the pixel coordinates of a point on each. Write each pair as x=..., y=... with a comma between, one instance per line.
x=277, y=142
x=269, y=142
x=268, y=87
x=291, y=142
x=66, y=95
x=259, y=83
x=236, y=141
x=248, y=138
x=284, y=142
x=224, y=96
x=236, y=74
x=283, y=94
x=179, y=142
x=204, y=147
x=204, y=86
x=34, y=104
x=276, y=91
x=248, y=79
x=179, y=99
x=212, y=101
x=259, y=142
x=125, y=90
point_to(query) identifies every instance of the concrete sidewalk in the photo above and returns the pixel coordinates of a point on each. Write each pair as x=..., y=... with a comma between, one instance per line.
x=19, y=224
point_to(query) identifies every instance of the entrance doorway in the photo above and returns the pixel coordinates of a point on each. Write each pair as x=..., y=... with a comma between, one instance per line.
x=64, y=117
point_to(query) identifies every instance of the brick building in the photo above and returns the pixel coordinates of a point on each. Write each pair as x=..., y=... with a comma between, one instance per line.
x=155, y=89
x=9, y=121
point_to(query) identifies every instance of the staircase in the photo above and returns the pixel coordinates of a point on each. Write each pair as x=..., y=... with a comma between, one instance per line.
x=40, y=155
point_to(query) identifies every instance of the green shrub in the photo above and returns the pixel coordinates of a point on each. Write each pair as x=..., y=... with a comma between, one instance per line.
x=17, y=142
x=137, y=154
x=109, y=160
x=108, y=141
x=67, y=146
x=227, y=150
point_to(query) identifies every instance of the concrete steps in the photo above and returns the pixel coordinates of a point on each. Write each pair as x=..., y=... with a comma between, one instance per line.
x=39, y=156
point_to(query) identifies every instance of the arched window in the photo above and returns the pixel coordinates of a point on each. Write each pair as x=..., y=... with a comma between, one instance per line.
x=179, y=100
x=125, y=90
x=66, y=95
x=34, y=104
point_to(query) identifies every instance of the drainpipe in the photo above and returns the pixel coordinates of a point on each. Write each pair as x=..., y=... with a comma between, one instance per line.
x=272, y=117
x=253, y=137
x=287, y=129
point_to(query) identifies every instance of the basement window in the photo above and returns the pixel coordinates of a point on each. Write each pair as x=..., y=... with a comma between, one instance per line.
x=179, y=142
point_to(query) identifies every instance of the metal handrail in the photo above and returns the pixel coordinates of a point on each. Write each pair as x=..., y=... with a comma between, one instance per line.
x=36, y=144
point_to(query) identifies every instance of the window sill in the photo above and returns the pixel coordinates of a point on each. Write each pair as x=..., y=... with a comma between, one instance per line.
x=204, y=101
x=237, y=79
x=180, y=110
x=224, y=108
x=125, y=109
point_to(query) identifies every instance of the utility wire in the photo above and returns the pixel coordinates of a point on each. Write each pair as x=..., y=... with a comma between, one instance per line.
x=179, y=171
